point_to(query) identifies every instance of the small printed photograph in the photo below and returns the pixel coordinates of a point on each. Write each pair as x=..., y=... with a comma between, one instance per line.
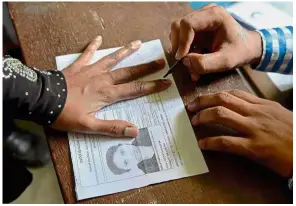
x=137, y=156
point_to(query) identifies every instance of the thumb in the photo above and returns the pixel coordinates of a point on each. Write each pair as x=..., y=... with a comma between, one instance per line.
x=208, y=63
x=230, y=144
x=116, y=128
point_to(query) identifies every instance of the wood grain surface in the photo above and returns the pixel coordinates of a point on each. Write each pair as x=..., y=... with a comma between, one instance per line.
x=266, y=89
x=46, y=30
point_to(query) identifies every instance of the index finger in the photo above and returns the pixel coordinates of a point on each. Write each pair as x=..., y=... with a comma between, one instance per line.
x=174, y=36
x=223, y=116
x=128, y=74
x=224, y=99
x=207, y=19
x=175, y=29
x=140, y=88
x=109, y=61
x=231, y=144
x=186, y=38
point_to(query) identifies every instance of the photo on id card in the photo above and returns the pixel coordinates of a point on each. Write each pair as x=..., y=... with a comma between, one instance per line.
x=131, y=158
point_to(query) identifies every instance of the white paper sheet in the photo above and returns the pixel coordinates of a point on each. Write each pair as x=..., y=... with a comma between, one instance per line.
x=263, y=16
x=165, y=149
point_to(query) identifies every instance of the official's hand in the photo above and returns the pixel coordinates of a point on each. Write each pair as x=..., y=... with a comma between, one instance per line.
x=266, y=128
x=92, y=87
x=213, y=28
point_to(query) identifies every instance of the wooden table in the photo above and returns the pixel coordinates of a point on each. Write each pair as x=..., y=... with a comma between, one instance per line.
x=46, y=30
x=265, y=88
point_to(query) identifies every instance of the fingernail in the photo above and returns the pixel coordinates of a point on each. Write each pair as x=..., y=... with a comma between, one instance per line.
x=98, y=41
x=194, y=120
x=178, y=56
x=186, y=62
x=131, y=132
x=169, y=50
x=136, y=44
x=201, y=144
x=160, y=61
x=98, y=38
x=191, y=106
x=166, y=81
x=194, y=77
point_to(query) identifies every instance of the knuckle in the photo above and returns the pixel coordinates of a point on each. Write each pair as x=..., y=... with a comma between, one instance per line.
x=217, y=10
x=235, y=92
x=131, y=71
x=89, y=49
x=275, y=104
x=114, y=129
x=114, y=57
x=220, y=112
x=185, y=23
x=212, y=4
x=264, y=127
x=224, y=97
x=139, y=87
x=111, y=77
x=224, y=144
x=201, y=65
x=106, y=96
x=256, y=146
x=175, y=25
x=228, y=62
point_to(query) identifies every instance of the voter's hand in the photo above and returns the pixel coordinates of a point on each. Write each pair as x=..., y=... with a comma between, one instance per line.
x=265, y=126
x=213, y=29
x=92, y=87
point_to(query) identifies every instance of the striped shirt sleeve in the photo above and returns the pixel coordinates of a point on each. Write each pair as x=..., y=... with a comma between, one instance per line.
x=277, y=55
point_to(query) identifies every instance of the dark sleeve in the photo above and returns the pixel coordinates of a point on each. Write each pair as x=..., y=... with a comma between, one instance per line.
x=30, y=94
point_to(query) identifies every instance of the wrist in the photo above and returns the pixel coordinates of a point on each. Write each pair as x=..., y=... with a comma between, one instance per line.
x=256, y=46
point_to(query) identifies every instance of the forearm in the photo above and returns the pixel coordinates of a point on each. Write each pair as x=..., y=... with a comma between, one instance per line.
x=277, y=50
x=31, y=94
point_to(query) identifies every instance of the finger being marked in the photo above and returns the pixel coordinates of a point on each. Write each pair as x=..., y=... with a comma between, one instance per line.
x=125, y=75
x=140, y=88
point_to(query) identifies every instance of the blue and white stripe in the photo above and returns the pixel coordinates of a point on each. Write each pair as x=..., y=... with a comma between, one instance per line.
x=277, y=55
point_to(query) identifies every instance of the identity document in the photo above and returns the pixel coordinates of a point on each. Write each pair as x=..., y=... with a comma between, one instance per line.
x=166, y=148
